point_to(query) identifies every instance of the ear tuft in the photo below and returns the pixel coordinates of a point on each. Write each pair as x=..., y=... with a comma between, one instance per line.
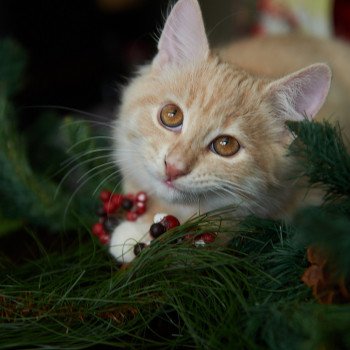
x=183, y=38
x=301, y=94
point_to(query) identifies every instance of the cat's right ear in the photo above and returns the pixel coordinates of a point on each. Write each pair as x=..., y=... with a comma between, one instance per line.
x=301, y=94
x=183, y=39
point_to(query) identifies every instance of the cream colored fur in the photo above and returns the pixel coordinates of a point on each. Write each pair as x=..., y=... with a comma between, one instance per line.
x=277, y=56
x=227, y=92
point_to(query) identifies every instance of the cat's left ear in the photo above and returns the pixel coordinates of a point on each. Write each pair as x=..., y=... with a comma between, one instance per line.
x=183, y=38
x=301, y=94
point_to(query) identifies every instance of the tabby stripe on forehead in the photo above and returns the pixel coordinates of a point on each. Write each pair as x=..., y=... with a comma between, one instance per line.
x=220, y=90
x=197, y=92
x=249, y=90
x=203, y=95
x=191, y=95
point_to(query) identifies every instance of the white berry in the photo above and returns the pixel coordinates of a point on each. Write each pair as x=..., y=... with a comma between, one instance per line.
x=199, y=243
x=159, y=217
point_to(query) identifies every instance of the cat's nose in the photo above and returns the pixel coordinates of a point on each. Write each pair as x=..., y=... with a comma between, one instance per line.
x=173, y=172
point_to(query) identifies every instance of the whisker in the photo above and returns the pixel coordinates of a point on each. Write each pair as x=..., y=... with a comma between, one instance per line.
x=106, y=167
x=94, y=122
x=89, y=139
x=77, y=190
x=250, y=199
x=80, y=155
x=68, y=109
x=103, y=181
x=73, y=169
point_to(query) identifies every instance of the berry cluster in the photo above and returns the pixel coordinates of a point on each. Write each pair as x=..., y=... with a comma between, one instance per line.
x=161, y=224
x=116, y=207
x=164, y=222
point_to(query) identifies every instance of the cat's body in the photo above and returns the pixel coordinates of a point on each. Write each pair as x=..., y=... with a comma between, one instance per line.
x=198, y=133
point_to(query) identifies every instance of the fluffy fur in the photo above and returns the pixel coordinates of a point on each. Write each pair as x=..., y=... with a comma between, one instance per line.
x=247, y=90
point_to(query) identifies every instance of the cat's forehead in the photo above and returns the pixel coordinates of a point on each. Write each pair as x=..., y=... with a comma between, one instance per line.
x=213, y=88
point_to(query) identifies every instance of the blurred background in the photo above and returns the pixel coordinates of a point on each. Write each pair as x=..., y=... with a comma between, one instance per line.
x=80, y=52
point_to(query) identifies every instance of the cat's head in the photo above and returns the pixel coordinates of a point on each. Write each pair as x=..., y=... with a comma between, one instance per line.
x=194, y=128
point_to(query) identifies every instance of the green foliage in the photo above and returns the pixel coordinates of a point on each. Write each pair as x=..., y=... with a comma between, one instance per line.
x=34, y=191
x=25, y=195
x=67, y=293
x=172, y=296
x=327, y=230
x=325, y=160
x=301, y=326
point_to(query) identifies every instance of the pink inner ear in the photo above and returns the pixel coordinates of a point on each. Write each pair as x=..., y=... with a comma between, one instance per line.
x=313, y=86
x=183, y=37
x=303, y=93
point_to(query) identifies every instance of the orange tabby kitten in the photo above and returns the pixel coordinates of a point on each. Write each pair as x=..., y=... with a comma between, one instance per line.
x=199, y=130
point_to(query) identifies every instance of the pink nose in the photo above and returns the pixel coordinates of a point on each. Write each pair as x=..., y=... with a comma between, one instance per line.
x=172, y=172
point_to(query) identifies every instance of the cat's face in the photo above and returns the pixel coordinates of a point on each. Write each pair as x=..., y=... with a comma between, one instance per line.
x=192, y=128
x=200, y=133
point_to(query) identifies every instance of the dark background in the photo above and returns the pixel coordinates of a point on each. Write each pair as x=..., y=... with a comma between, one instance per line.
x=81, y=51
x=78, y=50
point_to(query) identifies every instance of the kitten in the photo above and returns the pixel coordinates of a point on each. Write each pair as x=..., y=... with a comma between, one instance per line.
x=197, y=132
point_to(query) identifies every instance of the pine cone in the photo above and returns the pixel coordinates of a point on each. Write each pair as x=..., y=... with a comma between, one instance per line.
x=328, y=286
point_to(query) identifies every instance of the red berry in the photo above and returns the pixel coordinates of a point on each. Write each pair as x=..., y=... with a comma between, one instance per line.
x=208, y=237
x=105, y=196
x=188, y=237
x=117, y=199
x=170, y=222
x=109, y=207
x=104, y=239
x=131, y=216
x=141, y=197
x=98, y=229
x=140, y=208
x=130, y=196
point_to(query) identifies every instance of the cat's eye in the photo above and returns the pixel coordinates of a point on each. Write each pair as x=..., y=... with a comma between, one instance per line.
x=225, y=146
x=171, y=116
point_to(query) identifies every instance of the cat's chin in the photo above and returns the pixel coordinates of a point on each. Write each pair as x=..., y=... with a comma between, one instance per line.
x=169, y=192
x=173, y=193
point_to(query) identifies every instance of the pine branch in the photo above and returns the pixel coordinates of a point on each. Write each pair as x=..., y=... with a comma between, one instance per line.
x=25, y=195
x=29, y=196
x=325, y=160
x=328, y=231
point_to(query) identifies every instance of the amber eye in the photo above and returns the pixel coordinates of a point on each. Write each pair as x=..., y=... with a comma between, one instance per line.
x=171, y=116
x=225, y=146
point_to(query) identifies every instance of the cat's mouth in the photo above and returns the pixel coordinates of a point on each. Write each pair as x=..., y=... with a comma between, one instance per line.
x=169, y=184
x=180, y=192
x=172, y=191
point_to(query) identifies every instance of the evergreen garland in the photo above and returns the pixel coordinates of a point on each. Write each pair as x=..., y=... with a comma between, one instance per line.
x=249, y=295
